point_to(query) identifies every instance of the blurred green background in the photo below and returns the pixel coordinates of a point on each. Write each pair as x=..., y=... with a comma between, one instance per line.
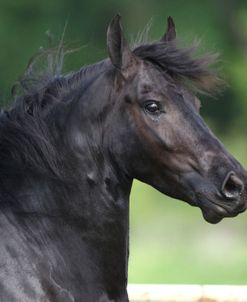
x=169, y=242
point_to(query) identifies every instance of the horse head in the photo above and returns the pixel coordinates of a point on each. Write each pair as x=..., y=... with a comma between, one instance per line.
x=163, y=139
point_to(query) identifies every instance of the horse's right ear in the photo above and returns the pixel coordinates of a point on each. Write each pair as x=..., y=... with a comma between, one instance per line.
x=119, y=52
x=170, y=34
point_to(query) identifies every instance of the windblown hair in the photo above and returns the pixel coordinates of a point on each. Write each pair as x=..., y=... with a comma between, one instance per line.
x=181, y=64
x=47, y=85
x=25, y=138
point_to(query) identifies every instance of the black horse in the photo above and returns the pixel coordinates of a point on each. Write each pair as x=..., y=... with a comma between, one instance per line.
x=70, y=147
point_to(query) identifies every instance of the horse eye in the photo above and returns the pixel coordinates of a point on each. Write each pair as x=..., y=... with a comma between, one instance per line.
x=152, y=107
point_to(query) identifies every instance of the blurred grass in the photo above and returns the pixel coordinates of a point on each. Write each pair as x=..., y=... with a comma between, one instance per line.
x=171, y=243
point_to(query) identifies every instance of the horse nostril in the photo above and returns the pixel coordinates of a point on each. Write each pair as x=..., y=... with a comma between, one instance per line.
x=232, y=186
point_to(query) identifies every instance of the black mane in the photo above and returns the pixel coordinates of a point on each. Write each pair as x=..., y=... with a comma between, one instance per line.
x=48, y=85
x=26, y=137
x=181, y=64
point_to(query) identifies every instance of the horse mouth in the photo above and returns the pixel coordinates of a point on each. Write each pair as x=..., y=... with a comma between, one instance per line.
x=214, y=215
x=213, y=212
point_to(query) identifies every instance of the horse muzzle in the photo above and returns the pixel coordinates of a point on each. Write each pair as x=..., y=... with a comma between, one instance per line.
x=229, y=201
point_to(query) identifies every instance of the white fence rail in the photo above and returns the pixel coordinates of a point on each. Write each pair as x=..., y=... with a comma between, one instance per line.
x=187, y=293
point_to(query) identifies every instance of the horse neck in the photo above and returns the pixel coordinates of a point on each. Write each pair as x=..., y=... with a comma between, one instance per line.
x=81, y=219
x=103, y=187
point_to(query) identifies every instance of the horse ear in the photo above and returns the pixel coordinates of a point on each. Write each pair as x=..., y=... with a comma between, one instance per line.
x=119, y=52
x=170, y=34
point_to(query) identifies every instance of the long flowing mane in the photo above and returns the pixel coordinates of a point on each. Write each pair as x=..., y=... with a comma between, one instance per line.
x=181, y=64
x=27, y=141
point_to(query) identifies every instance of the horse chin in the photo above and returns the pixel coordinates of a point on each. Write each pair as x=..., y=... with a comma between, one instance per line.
x=211, y=217
x=213, y=213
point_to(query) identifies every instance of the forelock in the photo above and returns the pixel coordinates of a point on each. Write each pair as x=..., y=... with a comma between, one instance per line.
x=181, y=64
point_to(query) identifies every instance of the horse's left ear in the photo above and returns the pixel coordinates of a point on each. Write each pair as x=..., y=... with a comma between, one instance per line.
x=170, y=34
x=119, y=52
